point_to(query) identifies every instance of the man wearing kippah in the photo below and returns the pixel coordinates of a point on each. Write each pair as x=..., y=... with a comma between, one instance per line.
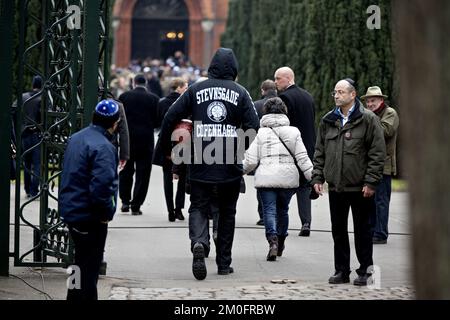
x=88, y=194
x=374, y=99
x=349, y=155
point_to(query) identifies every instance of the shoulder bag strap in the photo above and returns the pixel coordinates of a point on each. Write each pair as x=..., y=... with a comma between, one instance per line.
x=292, y=155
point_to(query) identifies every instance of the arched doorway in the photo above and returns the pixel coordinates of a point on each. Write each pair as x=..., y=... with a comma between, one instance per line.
x=159, y=29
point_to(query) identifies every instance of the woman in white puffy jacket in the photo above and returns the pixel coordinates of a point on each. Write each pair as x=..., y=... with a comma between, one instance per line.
x=276, y=176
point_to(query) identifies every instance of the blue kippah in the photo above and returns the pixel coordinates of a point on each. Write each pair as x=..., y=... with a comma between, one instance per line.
x=107, y=108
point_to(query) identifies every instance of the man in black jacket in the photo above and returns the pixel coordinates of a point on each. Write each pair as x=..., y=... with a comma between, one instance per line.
x=268, y=90
x=219, y=108
x=31, y=136
x=141, y=112
x=301, y=114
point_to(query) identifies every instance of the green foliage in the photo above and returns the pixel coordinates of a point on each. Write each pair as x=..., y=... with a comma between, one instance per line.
x=32, y=35
x=322, y=41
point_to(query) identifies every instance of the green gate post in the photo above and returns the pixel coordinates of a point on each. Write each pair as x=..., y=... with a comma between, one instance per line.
x=6, y=23
x=91, y=47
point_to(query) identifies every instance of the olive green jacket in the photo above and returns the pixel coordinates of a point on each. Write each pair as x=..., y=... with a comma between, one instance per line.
x=352, y=156
x=390, y=122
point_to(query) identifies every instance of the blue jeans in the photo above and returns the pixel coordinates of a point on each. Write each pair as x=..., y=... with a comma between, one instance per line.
x=32, y=160
x=382, y=199
x=275, y=205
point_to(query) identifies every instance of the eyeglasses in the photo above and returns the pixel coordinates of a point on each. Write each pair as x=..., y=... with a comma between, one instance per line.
x=338, y=92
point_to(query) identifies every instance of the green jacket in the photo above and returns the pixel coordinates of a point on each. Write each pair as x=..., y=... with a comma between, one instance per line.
x=352, y=156
x=389, y=122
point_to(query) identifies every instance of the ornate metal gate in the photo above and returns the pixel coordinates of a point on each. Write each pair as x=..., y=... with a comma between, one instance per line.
x=74, y=65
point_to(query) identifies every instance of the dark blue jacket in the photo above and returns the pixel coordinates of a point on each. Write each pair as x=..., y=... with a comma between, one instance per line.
x=89, y=181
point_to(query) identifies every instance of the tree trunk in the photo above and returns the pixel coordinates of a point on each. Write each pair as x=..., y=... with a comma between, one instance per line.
x=424, y=61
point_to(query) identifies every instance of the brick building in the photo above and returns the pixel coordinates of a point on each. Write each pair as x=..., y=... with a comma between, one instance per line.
x=158, y=28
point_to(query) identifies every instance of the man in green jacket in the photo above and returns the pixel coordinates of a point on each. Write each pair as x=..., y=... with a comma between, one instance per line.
x=374, y=99
x=349, y=155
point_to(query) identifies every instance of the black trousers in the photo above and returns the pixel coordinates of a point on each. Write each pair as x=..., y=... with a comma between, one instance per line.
x=168, y=188
x=89, y=239
x=142, y=165
x=201, y=196
x=362, y=209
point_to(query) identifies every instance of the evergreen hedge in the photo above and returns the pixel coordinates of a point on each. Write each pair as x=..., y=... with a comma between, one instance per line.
x=322, y=41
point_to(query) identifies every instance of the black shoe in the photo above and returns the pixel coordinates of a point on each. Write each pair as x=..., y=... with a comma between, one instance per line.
x=338, y=278
x=136, y=211
x=379, y=241
x=171, y=216
x=226, y=271
x=260, y=222
x=305, y=230
x=125, y=208
x=103, y=268
x=198, y=263
x=179, y=214
x=362, y=279
x=215, y=237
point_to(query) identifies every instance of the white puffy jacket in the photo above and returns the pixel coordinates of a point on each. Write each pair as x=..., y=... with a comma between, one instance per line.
x=275, y=168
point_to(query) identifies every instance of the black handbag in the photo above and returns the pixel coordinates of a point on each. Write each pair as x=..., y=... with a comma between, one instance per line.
x=313, y=194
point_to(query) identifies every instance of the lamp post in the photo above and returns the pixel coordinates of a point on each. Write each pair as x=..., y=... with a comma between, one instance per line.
x=115, y=25
x=208, y=31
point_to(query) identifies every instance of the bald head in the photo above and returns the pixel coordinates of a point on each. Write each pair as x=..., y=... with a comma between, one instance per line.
x=284, y=78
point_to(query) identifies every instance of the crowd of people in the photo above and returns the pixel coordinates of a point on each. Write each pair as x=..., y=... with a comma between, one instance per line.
x=352, y=150
x=158, y=73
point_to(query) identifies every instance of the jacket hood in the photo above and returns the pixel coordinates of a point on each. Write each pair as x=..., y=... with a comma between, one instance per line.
x=274, y=120
x=223, y=65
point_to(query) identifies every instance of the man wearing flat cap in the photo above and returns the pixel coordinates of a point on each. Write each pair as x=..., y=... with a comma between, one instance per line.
x=374, y=99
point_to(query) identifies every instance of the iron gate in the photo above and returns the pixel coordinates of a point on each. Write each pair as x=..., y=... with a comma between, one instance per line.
x=74, y=64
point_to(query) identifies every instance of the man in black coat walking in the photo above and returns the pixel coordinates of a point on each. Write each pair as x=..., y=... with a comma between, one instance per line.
x=141, y=112
x=301, y=114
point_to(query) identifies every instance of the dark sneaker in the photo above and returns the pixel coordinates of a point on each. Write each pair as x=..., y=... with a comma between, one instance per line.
x=260, y=222
x=125, y=208
x=338, y=278
x=198, y=263
x=226, y=271
x=362, y=280
x=171, y=216
x=305, y=230
x=136, y=212
x=379, y=241
x=179, y=214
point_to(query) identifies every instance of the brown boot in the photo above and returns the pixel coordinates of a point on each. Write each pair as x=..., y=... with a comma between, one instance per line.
x=280, y=245
x=273, y=248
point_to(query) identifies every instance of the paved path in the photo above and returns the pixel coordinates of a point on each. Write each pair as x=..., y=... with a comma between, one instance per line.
x=149, y=258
